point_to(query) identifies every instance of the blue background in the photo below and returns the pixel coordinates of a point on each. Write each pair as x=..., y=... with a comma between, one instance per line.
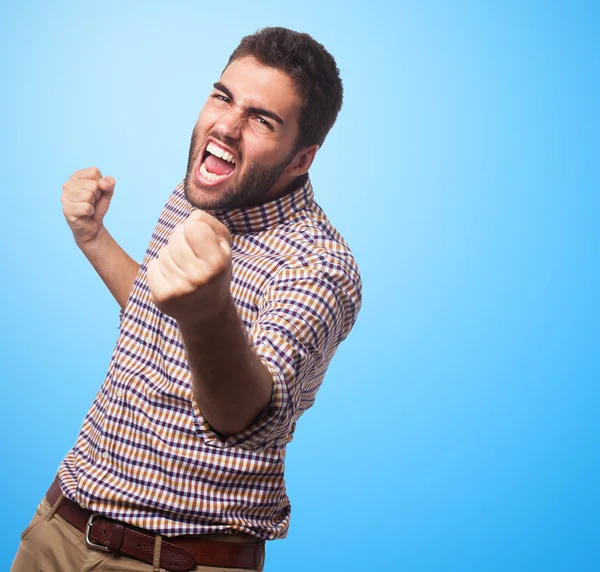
x=457, y=428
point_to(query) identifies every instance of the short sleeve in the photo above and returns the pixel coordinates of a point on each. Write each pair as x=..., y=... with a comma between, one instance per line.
x=303, y=317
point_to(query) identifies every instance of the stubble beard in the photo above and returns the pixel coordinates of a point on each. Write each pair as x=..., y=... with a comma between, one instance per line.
x=248, y=190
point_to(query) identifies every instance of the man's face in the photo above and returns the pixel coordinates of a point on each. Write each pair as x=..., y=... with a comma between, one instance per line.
x=244, y=138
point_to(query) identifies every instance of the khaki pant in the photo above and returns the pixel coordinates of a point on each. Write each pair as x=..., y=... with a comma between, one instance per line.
x=50, y=544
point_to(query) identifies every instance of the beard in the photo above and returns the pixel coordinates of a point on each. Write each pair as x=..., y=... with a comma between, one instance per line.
x=249, y=189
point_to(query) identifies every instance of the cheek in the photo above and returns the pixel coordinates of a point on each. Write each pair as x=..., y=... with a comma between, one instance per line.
x=206, y=120
x=261, y=151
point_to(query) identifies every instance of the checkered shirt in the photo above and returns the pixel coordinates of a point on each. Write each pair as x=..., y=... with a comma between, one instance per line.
x=145, y=455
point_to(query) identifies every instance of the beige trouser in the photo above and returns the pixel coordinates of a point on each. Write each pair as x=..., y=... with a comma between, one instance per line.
x=50, y=544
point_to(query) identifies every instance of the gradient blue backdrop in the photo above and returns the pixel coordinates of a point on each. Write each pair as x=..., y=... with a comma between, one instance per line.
x=457, y=429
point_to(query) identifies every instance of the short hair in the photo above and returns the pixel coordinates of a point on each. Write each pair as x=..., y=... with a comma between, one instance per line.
x=312, y=69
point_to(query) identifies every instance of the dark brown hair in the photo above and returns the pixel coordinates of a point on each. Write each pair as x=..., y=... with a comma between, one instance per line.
x=312, y=69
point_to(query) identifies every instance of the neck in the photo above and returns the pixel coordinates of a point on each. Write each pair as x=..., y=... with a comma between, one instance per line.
x=292, y=186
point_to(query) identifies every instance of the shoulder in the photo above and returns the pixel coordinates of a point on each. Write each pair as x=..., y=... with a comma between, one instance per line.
x=318, y=264
x=319, y=247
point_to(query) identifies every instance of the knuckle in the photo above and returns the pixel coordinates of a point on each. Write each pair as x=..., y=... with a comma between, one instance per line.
x=197, y=277
x=221, y=267
x=197, y=225
x=158, y=297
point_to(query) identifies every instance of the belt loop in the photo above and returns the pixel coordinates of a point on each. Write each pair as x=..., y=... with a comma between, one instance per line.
x=54, y=507
x=156, y=559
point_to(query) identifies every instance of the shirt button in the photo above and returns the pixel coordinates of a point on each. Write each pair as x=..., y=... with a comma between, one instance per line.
x=119, y=393
x=148, y=339
x=105, y=455
x=82, y=505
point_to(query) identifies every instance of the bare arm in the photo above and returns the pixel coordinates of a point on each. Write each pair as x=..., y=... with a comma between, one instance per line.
x=230, y=384
x=116, y=268
x=86, y=197
x=190, y=281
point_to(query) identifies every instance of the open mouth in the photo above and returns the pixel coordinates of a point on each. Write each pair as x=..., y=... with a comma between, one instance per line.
x=216, y=165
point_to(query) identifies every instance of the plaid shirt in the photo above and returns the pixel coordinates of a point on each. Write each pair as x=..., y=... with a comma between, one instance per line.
x=145, y=455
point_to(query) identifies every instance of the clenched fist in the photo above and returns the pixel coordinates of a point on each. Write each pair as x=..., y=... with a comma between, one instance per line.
x=85, y=198
x=191, y=277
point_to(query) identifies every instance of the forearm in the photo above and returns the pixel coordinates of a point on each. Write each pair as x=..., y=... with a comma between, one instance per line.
x=230, y=384
x=116, y=268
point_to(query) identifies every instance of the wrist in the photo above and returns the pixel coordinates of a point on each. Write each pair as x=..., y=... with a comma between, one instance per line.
x=92, y=243
x=214, y=317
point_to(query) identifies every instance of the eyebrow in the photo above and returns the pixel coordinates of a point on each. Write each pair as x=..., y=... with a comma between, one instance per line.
x=256, y=110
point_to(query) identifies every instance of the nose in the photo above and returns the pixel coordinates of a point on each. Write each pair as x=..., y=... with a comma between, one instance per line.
x=229, y=124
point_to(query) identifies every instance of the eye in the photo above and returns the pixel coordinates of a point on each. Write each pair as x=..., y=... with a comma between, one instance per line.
x=262, y=121
x=221, y=97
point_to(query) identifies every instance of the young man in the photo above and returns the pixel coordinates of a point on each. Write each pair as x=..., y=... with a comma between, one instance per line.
x=227, y=329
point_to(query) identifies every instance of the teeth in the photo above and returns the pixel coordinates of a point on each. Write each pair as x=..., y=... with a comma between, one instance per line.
x=212, y=148
x=210, y=176
x=221, y=153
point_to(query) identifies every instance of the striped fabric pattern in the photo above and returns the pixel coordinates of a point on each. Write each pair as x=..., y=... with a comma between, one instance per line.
x=145, y=455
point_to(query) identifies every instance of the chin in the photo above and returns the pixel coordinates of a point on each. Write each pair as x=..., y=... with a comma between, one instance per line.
x=206, y=199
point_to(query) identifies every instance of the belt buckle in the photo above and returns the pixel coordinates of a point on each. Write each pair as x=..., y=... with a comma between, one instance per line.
x=88, y=530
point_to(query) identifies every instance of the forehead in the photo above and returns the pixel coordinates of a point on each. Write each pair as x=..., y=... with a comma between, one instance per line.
x=253, y=84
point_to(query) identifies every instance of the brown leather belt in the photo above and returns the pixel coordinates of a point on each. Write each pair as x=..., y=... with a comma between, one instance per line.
x=177, y=554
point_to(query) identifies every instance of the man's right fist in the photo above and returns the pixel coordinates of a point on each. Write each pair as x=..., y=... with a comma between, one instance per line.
x=85, y=198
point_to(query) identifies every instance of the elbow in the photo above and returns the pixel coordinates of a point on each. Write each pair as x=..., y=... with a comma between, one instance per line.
x=226, y=426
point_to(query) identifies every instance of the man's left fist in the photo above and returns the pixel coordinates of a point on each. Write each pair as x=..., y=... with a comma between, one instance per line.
x=191, y=277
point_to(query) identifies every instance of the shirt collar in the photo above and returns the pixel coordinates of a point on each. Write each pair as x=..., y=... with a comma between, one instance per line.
x=246, y=220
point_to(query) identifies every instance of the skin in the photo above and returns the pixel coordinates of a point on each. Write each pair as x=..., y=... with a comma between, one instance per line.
x=85, y=198
x=257, y=140
x=191, y=277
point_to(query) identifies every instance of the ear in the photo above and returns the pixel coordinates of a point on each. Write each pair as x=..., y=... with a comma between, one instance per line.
x=301, y=163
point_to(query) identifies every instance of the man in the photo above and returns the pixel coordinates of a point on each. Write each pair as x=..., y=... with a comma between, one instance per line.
x=227, y=328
